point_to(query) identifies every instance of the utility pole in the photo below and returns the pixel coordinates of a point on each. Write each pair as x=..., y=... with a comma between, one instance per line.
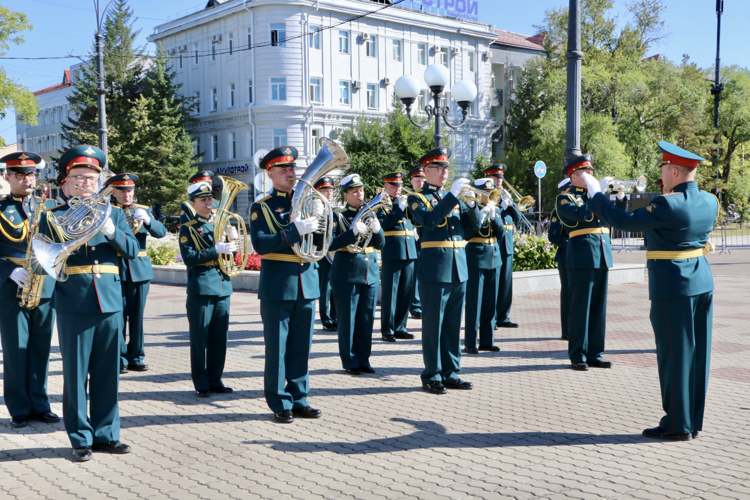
x=574, y=57
x=100, y=90
x=716, y=89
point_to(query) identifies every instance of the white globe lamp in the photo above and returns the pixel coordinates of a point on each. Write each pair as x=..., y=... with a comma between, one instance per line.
x=436, y=76
x=407, y=89
x=464, y=92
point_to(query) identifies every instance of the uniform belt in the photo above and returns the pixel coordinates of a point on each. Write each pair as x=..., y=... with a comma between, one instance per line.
x=398, y=233
x=283, y=257
x=94, y=269
x=676, y=255
x=486, y=241
x=591, y=230
x=509, y=226
x=443, y=244
x=210, y=263
x=16, y=261
x=141, y=253
x=367, y=250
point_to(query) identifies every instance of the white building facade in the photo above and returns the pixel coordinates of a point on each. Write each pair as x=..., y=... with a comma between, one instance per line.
x=263, y=80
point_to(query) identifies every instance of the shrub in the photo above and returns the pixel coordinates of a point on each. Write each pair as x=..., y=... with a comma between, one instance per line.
x=533, y=253
x=164, y=251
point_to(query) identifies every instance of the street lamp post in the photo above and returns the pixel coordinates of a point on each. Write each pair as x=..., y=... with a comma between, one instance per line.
x=437, y=77
x=716, y=90
x=100, y=90
x=574, y=57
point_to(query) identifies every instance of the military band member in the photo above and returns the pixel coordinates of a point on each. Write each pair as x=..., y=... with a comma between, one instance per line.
x=355, y=278
x=89, y=314
x=62, y=181
x=398, y=255
x=327, y=302
x=558, y=236
x=26, y=334
x=510, y=216
x=588, y=259
x=209, y=293
x=484, y=260
x=417, y=178
x=677, y=226
x=287, y=291
x=442, y=270
x=187, y=212
x=135, y=274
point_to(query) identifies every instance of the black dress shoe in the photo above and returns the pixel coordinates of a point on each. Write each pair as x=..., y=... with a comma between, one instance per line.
x=599, y=364
x=330, y=328
x=435, y=388
x=123, y=370
x=307, y=412
x=48, y=417
x=491, y=348
x=82, y=454
x=389, y=338
x=203, y=394
x=404, y=335
x=416, y=314
x=458, y=384
x=508, y=324
x=353, y=371
x=19, y=422
x=222, y=390
x=564, y=337
x=695, y=434
x=471, y=350
x=582, y=367
x=115, y=447
x=138, y=368
x=366, y=369
x=661, y=433
x=285, y=416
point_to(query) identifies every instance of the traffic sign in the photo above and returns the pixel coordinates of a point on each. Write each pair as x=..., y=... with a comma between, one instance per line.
x=540, y=169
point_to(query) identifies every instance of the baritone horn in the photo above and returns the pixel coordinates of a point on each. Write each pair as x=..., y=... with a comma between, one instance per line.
x=365, y=215
x=638, y=185
x=224, y=219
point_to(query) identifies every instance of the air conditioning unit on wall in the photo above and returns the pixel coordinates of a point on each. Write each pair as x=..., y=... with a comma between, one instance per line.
x=386, y=81
x=217, y=38
x=456, y=50
x=365, y=36
x=357, y=85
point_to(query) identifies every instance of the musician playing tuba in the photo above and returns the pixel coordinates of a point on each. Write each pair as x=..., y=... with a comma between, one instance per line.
x=24, y=369
x=89, y=302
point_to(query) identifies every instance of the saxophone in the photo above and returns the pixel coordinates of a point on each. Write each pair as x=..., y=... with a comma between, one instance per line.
x=31, y=294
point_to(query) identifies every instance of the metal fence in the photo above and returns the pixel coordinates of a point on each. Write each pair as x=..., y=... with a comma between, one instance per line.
x=734, y=235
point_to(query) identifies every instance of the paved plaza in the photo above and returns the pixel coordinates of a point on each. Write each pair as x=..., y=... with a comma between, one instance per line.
x=531, y=428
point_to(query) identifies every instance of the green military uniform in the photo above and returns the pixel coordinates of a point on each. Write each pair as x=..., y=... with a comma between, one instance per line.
x=442, y=275
x=89, y=318
x=558, y=236
x=209, y=293
x=287, y=291
x=415, y=307
x=398, y=255
x=677, y=227
x=326, y=302
x=484, y=261
x=26, y=334
x=588, y=259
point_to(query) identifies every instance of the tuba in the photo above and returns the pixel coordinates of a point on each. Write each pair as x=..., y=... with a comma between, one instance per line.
x=85, y=218
x=365, y=215
x=224, y=218
x=330, y=157
x=31, y=294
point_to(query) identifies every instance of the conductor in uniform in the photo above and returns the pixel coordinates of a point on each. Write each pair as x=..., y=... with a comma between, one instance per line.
x=89, y=313
x=327, y=302
x=26, y=333
x=558, y=236
x=398, y=255
x=135, y=274
x=445, y=221
x=417, y=178
x=677, y=227
x=287, y=291
x=588, y=259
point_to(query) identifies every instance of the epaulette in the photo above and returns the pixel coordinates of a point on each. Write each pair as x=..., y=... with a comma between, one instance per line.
x=190, y=222
x=145, y=207
x=339, y=211
x=3, y=197
x=56, y=207
x=262, y=199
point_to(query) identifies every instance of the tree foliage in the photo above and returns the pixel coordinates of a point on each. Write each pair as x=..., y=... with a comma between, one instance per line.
x=14, y=95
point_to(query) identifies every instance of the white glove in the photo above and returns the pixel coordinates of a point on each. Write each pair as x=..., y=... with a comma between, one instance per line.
x=459, y=186
x=21, y=276
x=416, y=235
x=505, y=203
x=226, y=248
x=592, y=184
x=486, y=213
x=402, y=203
x=620, y=195
x=375, y=225
x=306, y=226
x=142, y=216
x=605, y=183
x=358, y=227
x=471, y=203
x=318, y=209
x=233, y=234
x=109, y=229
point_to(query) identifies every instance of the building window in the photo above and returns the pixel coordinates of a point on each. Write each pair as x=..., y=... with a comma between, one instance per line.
x=510, y=80
x=278, y=35
x=422, y=54
x=472, y=61
x=343, y=42
x=316, y=135
x=249, y=38
x=54, y=115
x=442, y=57
x=250, y=91
x=214, y=147
x=372, y=95
x=397, y=50
x=213, y=51
x=496, y=79
x=344, y=92
x=231, y=95
x=279, y=137
x=232, y=145
x=278, y=88
x=196, y=146
x=473, y=149
x=424, y=99
x=371, y=46
x=473, y=108
x=180, y=61
x=197, y=103
x=45, y=145
x=195, y=51
x=496, y=114
x=250, y=144
x=315, y=85
x=314, y=37
x=214, y=100
x=231, y=44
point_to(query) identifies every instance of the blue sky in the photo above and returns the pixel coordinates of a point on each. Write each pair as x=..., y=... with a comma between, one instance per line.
x=63, y=27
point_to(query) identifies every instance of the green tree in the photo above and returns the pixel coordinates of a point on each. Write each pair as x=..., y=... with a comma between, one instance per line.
x=14, y=95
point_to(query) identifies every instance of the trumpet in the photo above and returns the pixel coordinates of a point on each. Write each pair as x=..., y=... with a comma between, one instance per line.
x=135, y=224
x=638, y=185
x=494, y=196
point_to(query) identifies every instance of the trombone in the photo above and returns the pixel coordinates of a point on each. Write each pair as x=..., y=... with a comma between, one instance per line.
x=524, y=202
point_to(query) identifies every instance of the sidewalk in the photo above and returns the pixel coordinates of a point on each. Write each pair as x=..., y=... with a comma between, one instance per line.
x=531, y=428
